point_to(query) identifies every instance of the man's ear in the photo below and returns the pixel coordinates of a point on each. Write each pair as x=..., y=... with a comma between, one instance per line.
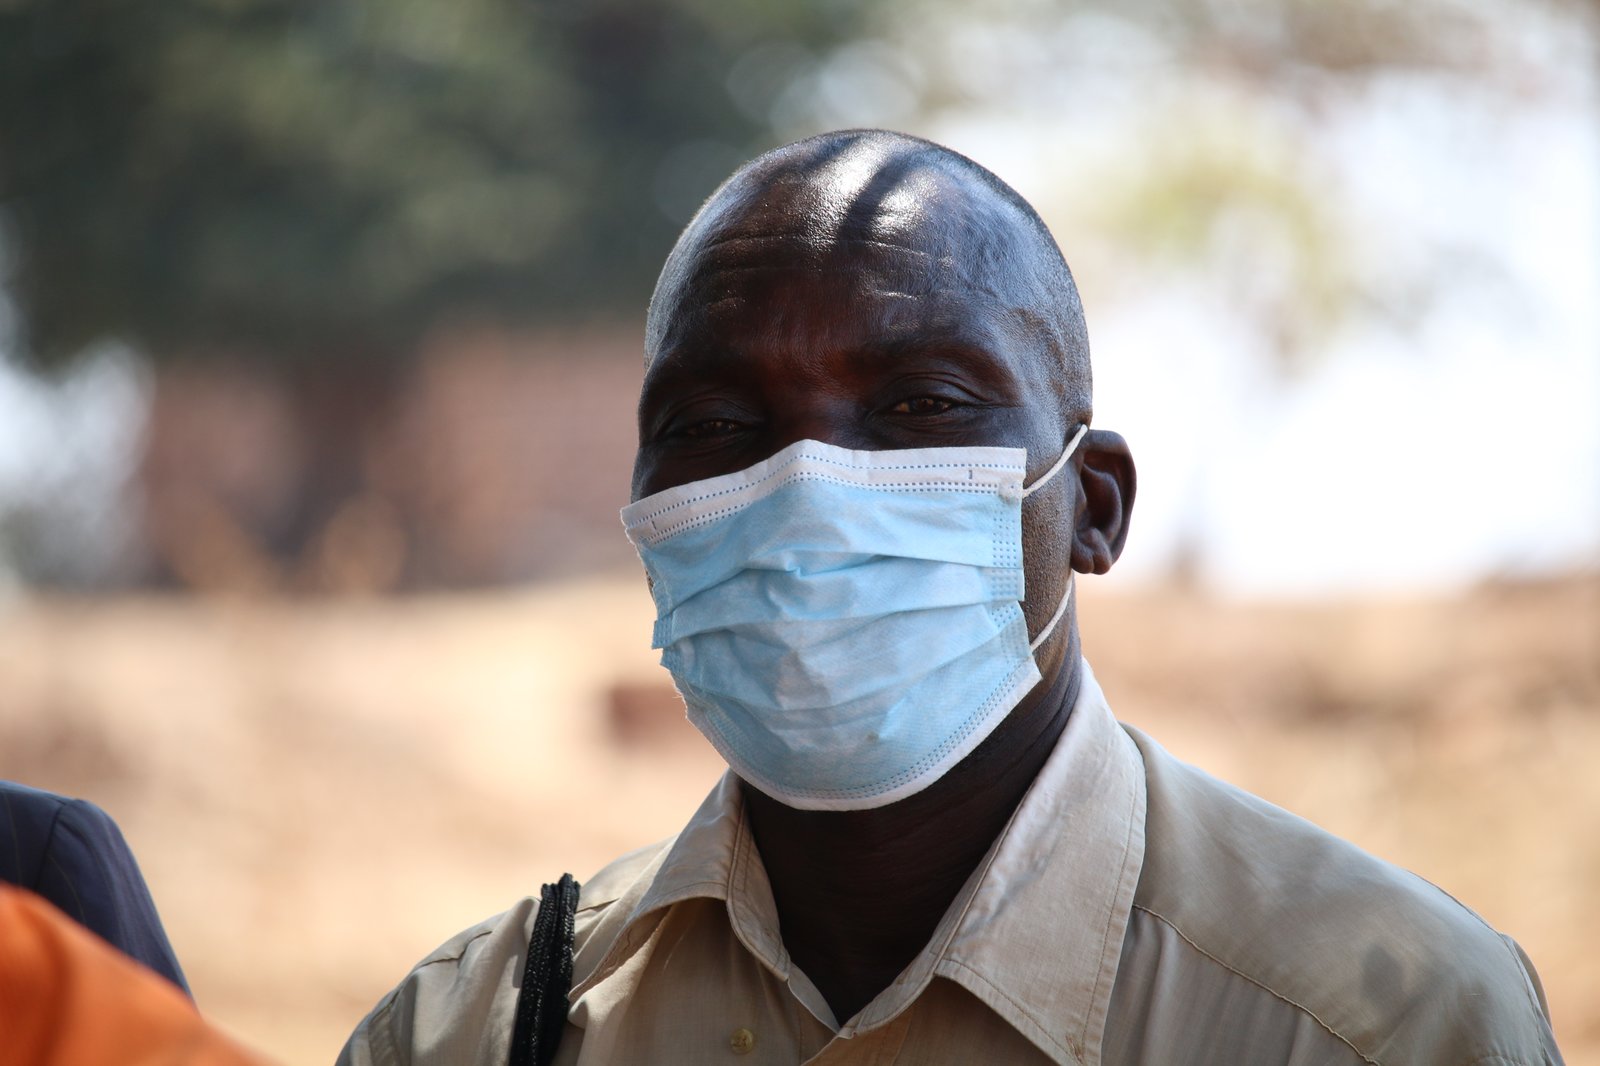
x=1106, y=485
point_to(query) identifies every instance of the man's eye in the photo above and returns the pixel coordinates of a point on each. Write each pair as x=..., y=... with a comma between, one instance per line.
x=711, y=427
x=923, y=405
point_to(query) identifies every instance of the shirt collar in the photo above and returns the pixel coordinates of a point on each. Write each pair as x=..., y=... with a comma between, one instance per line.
x=1036, y=932
x=1040, y=937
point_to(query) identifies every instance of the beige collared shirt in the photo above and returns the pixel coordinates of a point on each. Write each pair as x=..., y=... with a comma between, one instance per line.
x=1134, y=910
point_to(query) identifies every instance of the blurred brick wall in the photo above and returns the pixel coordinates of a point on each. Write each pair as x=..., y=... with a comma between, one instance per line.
x=493, y=457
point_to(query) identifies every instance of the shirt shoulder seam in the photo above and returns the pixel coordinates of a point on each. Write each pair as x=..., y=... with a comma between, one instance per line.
x=455, y=956
x=460, y=953
x=1301, y=1007
x=51, y=853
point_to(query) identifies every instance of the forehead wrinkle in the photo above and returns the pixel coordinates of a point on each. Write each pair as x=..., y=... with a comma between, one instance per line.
x=884, y=269
x=898, y=273
x=991, y=277
x=807, y=241
x=893, y=294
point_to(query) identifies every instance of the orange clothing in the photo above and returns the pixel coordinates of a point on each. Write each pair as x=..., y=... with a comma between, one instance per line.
x=67, y=998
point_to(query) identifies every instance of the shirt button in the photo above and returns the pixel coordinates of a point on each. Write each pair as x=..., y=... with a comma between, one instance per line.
x=743, y=1041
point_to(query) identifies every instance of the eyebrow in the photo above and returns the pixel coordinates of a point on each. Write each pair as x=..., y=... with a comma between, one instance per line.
x=676, y=372
x=966, y=354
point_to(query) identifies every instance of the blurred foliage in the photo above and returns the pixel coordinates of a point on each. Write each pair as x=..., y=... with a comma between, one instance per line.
x=1238, y=205
x=1209, y=143
x=289, y=178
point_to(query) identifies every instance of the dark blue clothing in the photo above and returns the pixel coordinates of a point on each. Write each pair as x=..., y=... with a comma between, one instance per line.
x=70, y=852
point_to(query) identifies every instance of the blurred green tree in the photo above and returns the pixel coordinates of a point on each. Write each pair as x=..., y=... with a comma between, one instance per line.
x=306, y=179
x=299, y=190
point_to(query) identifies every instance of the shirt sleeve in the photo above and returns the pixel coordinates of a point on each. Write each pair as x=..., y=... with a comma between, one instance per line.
x=72, y=854
x=457, y=1006
x=89, y=861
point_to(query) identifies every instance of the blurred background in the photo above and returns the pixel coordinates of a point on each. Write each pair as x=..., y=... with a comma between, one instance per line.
x=320, y=331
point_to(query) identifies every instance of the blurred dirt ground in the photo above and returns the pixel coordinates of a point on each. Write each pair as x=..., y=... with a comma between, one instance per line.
x=321, y=791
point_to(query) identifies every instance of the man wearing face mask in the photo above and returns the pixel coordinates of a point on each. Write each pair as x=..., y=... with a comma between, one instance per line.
x=865, y=478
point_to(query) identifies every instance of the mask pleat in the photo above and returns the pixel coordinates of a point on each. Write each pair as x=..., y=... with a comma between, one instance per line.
x=834, y=664
x=795, y=531
x=752, y=598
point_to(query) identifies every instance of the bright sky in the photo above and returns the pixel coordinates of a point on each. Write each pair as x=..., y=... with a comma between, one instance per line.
x=1464, y=446
x=1468, y=449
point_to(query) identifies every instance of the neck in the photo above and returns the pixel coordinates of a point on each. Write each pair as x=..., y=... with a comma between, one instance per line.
x=859, y=893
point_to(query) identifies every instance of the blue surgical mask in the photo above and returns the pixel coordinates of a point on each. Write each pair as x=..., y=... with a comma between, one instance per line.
x=845, y=626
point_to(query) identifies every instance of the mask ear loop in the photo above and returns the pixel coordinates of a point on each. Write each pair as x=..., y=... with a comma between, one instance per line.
x=1066, y=454
x=1061, y=609
x=1066, y=598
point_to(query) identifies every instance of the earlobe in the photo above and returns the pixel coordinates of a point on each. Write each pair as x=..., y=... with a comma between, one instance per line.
x=1091, y=554
x=1106, y=486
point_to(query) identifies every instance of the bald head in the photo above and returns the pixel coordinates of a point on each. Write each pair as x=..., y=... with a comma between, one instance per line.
x=815, y=205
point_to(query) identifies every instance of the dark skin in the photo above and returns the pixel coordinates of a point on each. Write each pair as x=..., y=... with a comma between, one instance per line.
x=928, y=314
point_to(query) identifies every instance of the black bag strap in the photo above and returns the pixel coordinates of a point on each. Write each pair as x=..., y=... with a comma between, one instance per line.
x=547, y=978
